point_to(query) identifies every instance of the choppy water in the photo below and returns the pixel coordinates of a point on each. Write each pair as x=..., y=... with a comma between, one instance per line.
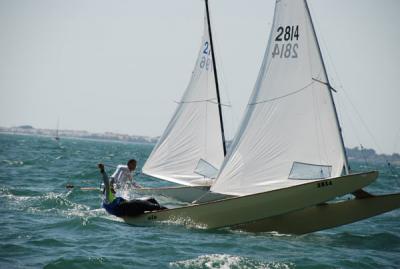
x=43, y=225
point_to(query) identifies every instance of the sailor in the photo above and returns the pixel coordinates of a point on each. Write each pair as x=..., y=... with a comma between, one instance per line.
x=122, y=177
x=120, y=207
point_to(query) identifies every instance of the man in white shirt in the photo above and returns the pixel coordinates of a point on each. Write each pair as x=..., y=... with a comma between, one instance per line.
x=121, y=207
x=122, y=177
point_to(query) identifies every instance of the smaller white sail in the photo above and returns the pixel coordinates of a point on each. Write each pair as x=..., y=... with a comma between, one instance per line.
x=289, y=134
x=194, y=133
x=206, y=169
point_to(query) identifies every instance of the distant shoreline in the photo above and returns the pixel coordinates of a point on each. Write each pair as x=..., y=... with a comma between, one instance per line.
x=79, y=138
x=29, y=130
x=356, y=154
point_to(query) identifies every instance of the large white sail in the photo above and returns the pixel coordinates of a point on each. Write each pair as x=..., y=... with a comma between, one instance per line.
x=190, y=151
x=289, y=134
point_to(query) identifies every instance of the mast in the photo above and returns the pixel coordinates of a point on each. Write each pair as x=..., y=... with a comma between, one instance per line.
x=216, y=78
x=346, y=162
x=58, y=125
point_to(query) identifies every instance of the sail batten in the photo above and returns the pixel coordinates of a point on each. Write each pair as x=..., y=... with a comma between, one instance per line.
x=195, y=130
x=289, y=134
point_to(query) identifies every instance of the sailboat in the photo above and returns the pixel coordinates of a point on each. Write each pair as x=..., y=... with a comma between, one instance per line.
x=288, y=156
x=192, y=147
x=57, y=137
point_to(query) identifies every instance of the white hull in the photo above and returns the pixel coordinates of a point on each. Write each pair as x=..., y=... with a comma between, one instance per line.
x=325, y=216
x=238, y=210
x=187, y=194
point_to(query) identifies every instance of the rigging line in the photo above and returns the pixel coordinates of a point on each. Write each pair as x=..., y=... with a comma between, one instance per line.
x=361, y=119
x=317, y=118
x=221, y=104
x=344, y=90
x=221, y=70
x=347, y=168
x=367, y=129
x=340, y=82
x=283, y=96
x=320, y=34
x=196, y=101
x=346, y=114
x=234, y=118
x=202, y=101
x=201, y=197
x=359, y=115
x=325, y=83
x=315, y=107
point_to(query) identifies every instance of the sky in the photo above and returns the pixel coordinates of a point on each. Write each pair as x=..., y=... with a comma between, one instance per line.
x=118, y=66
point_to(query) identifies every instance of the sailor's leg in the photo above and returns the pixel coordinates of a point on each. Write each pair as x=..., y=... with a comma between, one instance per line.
x=136, y=207
x=155, y=202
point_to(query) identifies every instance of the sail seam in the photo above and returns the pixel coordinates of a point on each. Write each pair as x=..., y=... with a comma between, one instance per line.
x=201, y=101
x=283, y=96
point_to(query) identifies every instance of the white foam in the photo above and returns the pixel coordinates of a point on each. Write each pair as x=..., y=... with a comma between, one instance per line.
x=34, y=204
x=225, y=261
x=16, y=162
x=187, y=222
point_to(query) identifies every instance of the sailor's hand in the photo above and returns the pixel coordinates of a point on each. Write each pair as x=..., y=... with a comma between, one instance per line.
x=101, y=167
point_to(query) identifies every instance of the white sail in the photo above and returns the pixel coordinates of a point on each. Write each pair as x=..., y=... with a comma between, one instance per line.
x=193, y=135
x=289, y=134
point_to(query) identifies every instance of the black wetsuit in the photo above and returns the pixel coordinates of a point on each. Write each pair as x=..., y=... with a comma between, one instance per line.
x=120, y=207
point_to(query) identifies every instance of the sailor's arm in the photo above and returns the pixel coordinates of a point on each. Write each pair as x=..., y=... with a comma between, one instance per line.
x=132, y=180
x=117, y=172
x=135, y=184
x=105, y=180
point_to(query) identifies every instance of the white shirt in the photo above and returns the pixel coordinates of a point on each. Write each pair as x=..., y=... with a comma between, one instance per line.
x=122, y=177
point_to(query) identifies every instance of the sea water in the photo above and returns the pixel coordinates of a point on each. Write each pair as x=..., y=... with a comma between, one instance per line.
x=45, y=225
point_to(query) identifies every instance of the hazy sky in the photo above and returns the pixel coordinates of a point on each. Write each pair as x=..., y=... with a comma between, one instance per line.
x=119, y=65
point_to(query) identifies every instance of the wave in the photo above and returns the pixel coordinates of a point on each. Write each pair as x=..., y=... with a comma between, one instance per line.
x=228, y=261
x=77, y=262
x=13, y=162
x=50, y=203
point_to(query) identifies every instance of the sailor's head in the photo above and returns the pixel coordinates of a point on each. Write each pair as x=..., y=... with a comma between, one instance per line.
x=131, y=164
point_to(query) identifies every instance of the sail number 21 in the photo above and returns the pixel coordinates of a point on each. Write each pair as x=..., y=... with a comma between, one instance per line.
x=284, y=45
x=205, y=58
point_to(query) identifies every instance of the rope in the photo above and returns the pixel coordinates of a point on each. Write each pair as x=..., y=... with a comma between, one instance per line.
x=201, y=101
x=352, y=104
x=200, y=197
x=225, y=89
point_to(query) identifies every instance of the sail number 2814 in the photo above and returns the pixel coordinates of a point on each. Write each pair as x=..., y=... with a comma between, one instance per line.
x=285, y=42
